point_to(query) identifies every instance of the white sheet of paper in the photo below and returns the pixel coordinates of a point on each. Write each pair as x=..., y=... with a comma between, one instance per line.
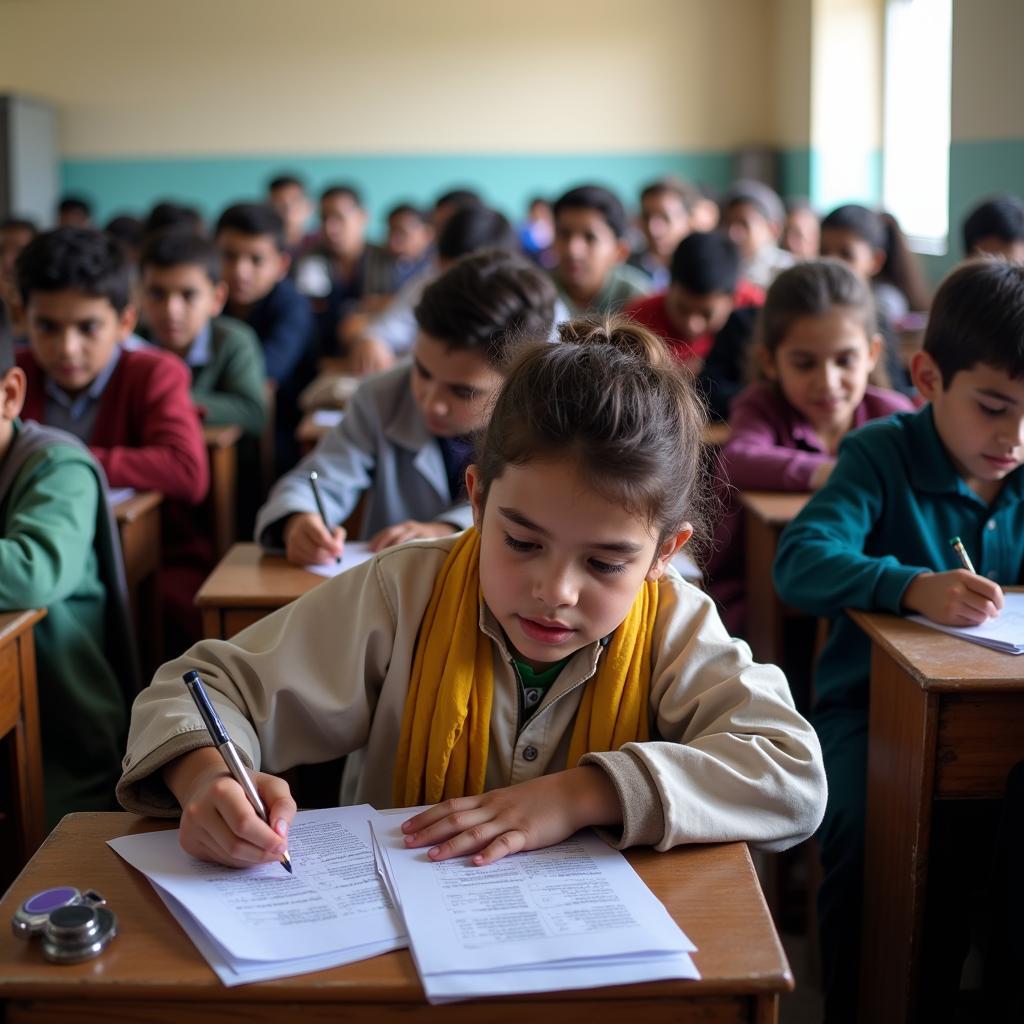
x=574, y=900
x=1003, y=633
x=327, y=417
x=354, y=553
x=333, y=900
x=115, y=495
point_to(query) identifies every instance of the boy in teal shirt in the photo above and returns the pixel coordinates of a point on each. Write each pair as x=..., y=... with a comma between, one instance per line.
x=59, y=551
x=876, y=538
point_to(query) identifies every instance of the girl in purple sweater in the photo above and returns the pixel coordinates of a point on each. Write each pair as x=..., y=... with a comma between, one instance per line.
x=816, y=351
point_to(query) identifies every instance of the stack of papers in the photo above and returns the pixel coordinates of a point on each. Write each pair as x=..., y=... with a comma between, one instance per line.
x=570, y=916
x=1004, y=633
x=261, y=922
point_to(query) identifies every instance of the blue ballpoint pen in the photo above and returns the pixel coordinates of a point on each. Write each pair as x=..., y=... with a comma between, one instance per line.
x=227, y=750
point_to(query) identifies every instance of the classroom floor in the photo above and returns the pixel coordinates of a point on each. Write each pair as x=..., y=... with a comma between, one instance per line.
x=802, y=1006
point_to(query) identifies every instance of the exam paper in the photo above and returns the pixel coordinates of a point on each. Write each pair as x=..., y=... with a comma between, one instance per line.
x=115, y=495
x=327, y=417
x=334, y=899
x=354, y=553
x=1003, y=633
x=573, y=915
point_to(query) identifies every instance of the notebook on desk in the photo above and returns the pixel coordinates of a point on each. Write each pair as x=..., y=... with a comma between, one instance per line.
x=1004, y=633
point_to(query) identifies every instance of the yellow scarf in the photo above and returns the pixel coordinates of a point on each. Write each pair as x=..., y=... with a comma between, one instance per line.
x=442, y=751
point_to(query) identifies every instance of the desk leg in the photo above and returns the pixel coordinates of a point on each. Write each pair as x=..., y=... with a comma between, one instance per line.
x=903, y=725
x=764, y=609
x=223, y=496
x=213, y=624
x=28, y=753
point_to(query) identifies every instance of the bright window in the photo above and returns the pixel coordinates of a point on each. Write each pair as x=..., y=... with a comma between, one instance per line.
x=915, y=171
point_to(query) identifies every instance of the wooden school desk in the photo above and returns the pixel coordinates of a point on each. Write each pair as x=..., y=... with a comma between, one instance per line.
x=152, y=972
x=946, y=722
x=19, y=735
x=138, y=523
x=245, y=586
x=767, y=514
x=222, y=451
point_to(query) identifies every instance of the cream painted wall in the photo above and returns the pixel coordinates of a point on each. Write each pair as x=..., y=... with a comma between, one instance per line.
x=988, y=73
x=201, y=77
x=793, y=72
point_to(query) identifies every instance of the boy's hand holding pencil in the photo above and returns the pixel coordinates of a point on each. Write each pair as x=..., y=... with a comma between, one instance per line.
x=957, y=598
x=307, y=540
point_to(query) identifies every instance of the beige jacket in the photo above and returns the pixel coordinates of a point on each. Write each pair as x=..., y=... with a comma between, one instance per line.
x=327, y=675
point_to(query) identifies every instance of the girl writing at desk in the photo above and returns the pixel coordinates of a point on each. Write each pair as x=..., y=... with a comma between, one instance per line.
x=543, y=671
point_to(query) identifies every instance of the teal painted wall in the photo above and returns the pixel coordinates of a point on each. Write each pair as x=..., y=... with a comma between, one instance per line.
x=976, y=170
x=506, y=181
x=801, y=173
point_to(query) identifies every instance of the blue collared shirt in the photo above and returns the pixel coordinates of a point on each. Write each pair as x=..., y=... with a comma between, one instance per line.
x=77, y=414
x=200, y=352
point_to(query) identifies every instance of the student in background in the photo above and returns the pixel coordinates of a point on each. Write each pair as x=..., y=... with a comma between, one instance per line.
x=801, y=233
x=752, y=216
x=74, y=211
x=128, y=232
x=995, y=227
x=131, y=407
x=404, y=440
x=590, y=228
x=15, y=234
x=170, y=216
x=449, y=203
x=344, y=271
x=287, y=195
x=59, y=551
x=471, y=228
x=816, y=349
x=703, y=295
x=876, y=537
x=410, y=241
x=665, y=218
x=182, y=297
x=537, y=232
x=254, y=263
x=635, y=709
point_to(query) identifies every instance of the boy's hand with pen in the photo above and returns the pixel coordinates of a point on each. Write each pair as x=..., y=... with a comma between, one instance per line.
x=956, y=598
x=217, y=821
x=307, y=540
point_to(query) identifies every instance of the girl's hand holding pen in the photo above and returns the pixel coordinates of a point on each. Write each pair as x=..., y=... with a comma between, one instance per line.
x=307, y=541
x=956, y=598
x=217, y=821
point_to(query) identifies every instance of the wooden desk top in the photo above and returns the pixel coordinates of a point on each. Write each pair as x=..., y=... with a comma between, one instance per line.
x=939, y=662
x=223, y=436
x=13, y=624
x=710, y=890
x=776, y=508
x=247, y=578
x=136, y=506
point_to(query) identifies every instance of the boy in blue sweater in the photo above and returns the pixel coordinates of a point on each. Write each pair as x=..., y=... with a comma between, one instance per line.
x=876, y=538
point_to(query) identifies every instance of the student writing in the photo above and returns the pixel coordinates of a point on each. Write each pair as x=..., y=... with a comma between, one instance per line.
x=876, y=537
x=540, y=672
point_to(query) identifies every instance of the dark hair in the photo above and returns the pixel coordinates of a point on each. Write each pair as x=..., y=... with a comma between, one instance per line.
x=472, y=228
x=342, y=190
x=757, y=194
x=1000, y=216
x=977, y=316
x=491, y=301
x=80, y=259
x=19, y=224
x=252, y=219
x=6, y=352
x=706, y=262
x=167, y=215
x=864, y=223
x=74, y=203
x=812, y=289
x=598, y=199
x=168, y=249
x=403, y=209
x=285, y=181
x=683, y=190
x=458, y=197
x=794, y=204
x=126, y=230
x=612, y=397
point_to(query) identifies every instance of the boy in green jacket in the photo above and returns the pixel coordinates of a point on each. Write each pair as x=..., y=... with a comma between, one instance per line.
x=59, y=551
x=182, y=296
x=877, y=538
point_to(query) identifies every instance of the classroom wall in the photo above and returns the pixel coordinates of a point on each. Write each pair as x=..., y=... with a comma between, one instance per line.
x=987, y=145
x=205, y=98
